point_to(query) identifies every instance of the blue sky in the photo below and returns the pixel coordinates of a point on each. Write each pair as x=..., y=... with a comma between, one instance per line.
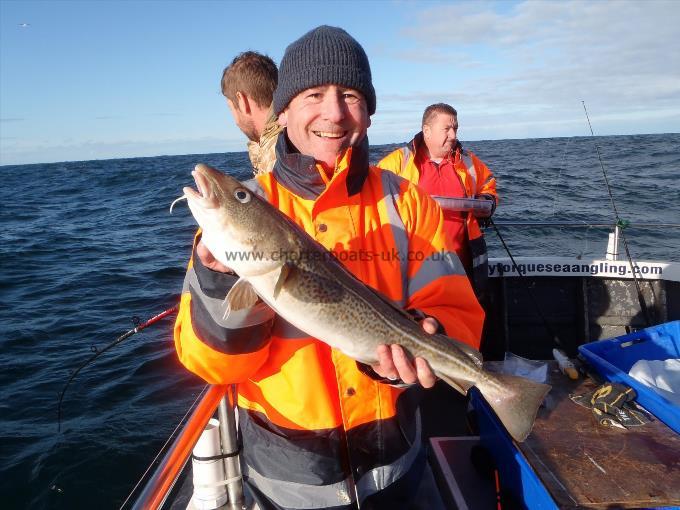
x=99, y=79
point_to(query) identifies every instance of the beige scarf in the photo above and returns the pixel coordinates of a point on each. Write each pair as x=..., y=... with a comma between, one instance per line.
x=263, y=154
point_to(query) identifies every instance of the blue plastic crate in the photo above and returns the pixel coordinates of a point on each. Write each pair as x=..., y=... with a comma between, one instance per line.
x=515, y=473
x=614, y=357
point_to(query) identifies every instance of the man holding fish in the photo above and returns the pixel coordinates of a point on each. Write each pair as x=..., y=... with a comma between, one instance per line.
x=327, y=396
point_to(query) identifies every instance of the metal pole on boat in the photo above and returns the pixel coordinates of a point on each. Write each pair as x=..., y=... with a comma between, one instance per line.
x=617, y=232
x=226, y=414
x=613, y=244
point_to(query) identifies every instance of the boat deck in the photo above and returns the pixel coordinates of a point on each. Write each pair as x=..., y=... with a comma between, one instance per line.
x=585, y=465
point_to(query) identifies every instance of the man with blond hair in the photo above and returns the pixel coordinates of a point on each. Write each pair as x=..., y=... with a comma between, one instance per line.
x=248, y=84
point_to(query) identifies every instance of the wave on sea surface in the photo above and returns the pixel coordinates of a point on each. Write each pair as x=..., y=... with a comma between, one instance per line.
x=86, y=246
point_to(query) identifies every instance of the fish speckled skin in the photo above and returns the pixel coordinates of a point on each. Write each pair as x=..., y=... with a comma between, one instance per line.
x=305, y=285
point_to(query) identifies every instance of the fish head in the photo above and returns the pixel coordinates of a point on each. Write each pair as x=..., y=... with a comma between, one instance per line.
x=233, y=220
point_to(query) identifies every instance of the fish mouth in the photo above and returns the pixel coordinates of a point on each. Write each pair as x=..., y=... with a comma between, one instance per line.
x=204, y=193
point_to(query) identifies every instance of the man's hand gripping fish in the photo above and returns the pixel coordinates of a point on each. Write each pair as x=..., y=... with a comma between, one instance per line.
x=298, y=278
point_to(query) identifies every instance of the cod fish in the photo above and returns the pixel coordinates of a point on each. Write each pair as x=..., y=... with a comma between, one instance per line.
x=298, y=278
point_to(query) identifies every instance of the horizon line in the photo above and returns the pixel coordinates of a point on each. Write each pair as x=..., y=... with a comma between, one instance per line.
x=370, y=146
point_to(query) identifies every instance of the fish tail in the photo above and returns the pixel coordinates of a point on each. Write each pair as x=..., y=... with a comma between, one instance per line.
x=515, y=400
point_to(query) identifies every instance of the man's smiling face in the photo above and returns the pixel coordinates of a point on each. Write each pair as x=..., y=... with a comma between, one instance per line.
x=324, y=121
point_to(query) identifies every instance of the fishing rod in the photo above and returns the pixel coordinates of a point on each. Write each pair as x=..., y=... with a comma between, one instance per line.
x=547, y=326
x=97, y=352
x=621, y=224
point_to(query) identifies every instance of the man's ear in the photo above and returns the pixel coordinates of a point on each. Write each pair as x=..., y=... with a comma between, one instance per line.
x=243, y=102
x=283, y=118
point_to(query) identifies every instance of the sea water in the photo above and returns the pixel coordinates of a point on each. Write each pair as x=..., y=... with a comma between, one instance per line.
x=87, y=246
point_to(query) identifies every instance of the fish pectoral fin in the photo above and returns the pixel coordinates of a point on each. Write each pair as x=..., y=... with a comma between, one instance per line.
x=286, y=270
x=462, y=386
x=240, y=296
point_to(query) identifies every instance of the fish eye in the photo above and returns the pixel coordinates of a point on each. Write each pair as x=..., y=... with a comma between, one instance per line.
x=242, y=195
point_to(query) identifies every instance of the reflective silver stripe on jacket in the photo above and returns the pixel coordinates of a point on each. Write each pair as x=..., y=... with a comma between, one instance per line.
x=467, y=161
x=297, y=495
x=381, y=477
x=406, y=155
x=258, y=314
x=390, y=184
x=434, y=267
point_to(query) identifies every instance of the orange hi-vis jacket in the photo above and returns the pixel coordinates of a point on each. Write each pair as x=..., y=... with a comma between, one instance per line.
x=478, y=182
x=319, y=429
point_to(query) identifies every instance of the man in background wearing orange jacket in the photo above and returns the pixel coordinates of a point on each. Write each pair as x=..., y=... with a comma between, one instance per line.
x=319, y=429
x=436, y=161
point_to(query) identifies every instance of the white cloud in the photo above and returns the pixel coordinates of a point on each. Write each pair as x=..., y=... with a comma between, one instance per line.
x=539, y=59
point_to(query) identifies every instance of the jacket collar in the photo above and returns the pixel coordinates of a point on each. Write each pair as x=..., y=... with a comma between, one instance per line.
x=298, y=173
x=417, y=142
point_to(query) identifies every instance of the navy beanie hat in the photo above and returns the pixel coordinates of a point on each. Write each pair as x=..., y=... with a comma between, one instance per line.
x=322, y=56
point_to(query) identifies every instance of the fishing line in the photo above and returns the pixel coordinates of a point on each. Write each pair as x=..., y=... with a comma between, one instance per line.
x=97, y=352
x=549, y=328
x=622, y=225
x=586, y=244
x=558, y=178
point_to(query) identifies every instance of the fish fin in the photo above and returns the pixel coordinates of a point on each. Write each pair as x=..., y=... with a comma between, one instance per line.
x=286, y=270
x=515, y=400
x=240, y=296
x=461, y=386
